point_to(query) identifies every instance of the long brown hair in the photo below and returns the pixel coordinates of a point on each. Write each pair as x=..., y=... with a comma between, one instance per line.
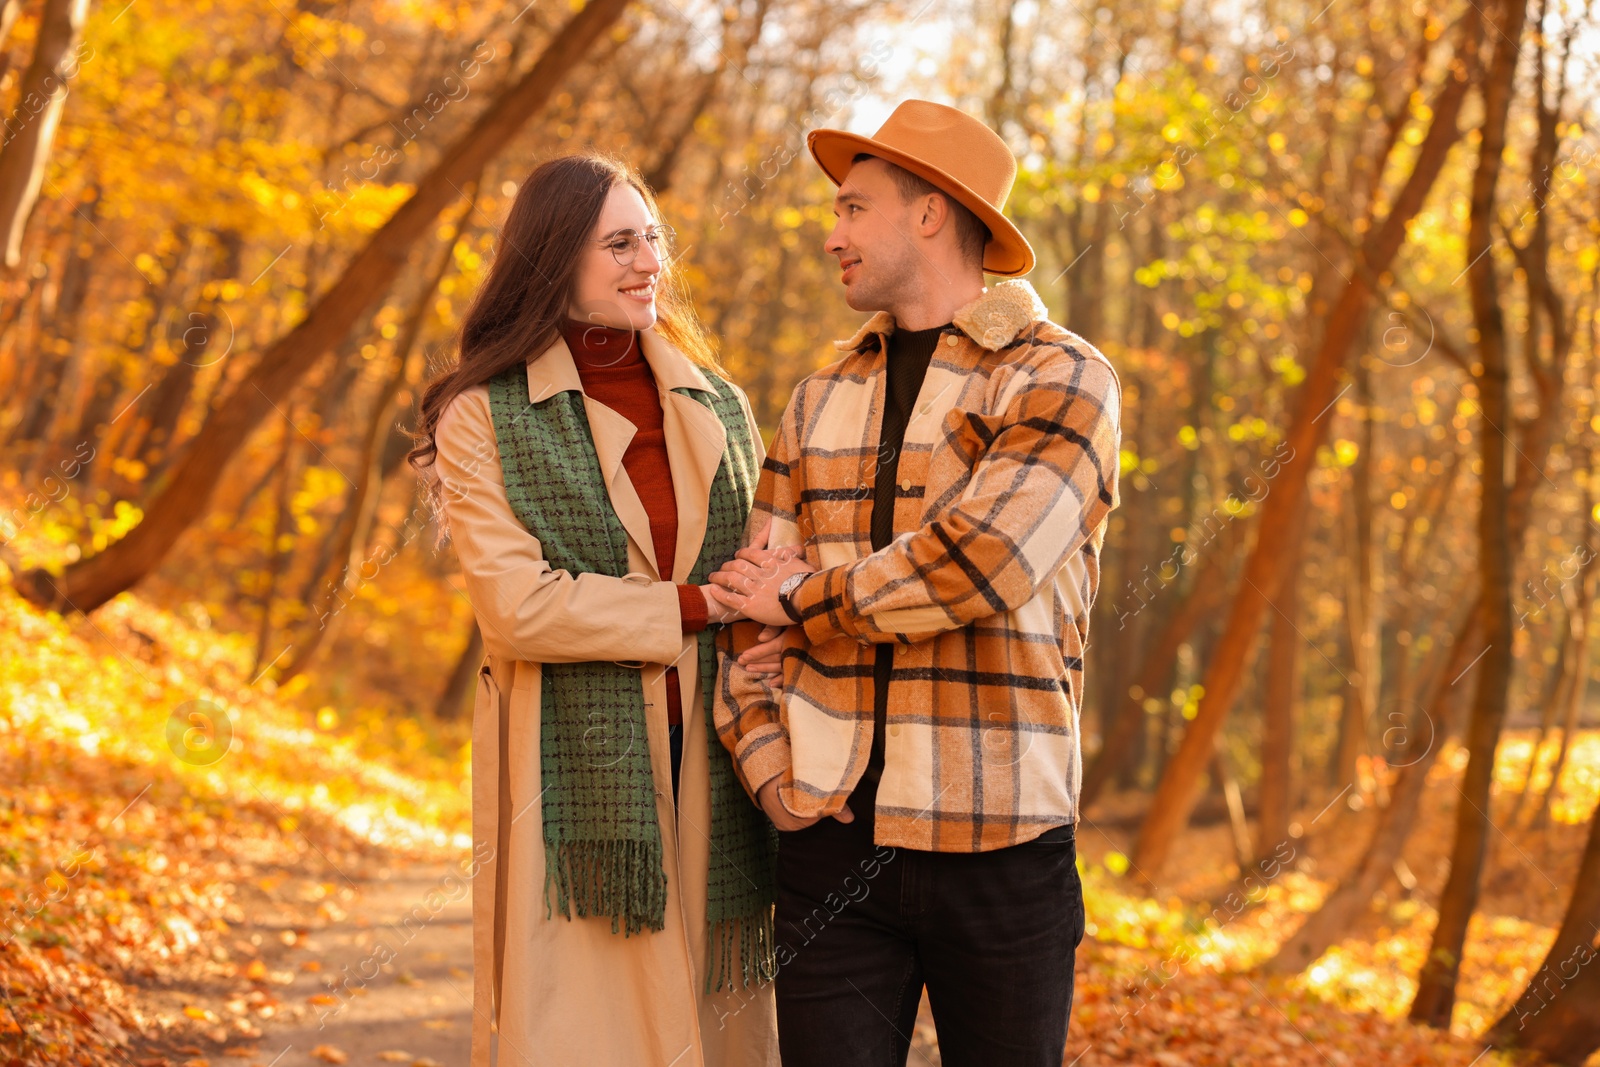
x=517, y=312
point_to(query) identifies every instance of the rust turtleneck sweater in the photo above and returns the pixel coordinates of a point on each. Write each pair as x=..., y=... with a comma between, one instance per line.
x=613, y=370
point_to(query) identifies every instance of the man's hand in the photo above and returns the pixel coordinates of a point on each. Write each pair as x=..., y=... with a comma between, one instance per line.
x=765, y=657
x=780, y=816
x=749, y=582
x=718, y=611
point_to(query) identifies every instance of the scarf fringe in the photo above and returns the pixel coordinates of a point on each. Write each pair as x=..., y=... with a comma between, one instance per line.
x=750, y=938
x=622, y=879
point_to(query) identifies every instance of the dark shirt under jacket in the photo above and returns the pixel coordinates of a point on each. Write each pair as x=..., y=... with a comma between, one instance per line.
x=910, y=352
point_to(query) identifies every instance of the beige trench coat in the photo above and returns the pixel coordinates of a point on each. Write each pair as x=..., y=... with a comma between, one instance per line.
x=559, y=991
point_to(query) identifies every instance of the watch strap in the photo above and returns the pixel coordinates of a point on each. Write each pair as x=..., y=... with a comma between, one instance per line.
x=786, y=590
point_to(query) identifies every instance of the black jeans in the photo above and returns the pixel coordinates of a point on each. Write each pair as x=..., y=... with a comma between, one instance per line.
x=862, y=927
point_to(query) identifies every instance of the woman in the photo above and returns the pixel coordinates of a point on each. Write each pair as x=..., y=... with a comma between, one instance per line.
x=593, y=468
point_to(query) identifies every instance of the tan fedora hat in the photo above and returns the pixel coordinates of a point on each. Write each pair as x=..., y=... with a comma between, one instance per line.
x=955, y=152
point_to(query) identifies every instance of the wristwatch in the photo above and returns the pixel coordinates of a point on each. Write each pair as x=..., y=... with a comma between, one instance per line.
x=786, y=590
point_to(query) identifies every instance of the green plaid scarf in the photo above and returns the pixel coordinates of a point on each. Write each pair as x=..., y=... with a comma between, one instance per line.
x=603, y=851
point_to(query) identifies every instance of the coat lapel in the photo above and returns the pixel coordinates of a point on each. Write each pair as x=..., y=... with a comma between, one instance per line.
x=696, y=440
x=555, y=372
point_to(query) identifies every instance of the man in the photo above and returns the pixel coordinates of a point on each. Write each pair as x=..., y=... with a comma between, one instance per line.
x=949, y=483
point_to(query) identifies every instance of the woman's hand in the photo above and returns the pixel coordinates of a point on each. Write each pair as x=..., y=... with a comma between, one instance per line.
x=716, y=610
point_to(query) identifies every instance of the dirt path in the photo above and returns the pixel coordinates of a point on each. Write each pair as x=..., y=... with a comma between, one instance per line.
x=417, y=1003
x=402, y=986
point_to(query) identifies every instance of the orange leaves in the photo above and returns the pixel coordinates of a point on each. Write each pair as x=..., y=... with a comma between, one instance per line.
x=118, y=864
x=1204, y=1019
x=69, y=1006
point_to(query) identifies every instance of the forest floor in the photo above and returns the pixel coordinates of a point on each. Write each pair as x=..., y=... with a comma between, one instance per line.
x=172, y=900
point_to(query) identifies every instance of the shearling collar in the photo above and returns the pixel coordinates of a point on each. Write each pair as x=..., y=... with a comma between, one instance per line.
x=993, y=320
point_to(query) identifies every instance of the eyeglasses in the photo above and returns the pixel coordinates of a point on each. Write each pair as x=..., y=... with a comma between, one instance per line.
x=624, y=244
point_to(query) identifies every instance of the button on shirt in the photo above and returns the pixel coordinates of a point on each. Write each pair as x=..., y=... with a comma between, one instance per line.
x=910, y=352
x=988, y=585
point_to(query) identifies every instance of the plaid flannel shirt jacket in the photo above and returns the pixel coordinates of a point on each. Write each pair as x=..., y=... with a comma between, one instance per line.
x=1007, y=477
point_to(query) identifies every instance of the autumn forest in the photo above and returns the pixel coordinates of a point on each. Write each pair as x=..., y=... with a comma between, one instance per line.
x=1341, y=750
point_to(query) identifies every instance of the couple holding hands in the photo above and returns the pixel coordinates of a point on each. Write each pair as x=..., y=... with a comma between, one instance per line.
x=767, y=743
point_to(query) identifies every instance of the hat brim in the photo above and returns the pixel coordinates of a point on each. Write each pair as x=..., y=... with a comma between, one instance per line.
x=1007, y=254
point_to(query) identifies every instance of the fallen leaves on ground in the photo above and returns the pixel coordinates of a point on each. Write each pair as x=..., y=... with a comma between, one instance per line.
x=128, y=875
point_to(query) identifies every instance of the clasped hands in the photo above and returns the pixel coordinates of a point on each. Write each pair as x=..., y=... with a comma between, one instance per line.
x=765, y=657
x=748, y=583
x=747, y=586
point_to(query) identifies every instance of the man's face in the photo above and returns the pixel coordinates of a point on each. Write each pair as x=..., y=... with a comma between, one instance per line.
x=872, y=238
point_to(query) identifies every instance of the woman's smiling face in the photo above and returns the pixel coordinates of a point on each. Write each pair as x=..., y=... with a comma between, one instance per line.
x=608, y=293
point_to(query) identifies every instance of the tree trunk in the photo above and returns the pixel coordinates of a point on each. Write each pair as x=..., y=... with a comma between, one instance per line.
x=1555, y=1016
x=1360, y=691
x=1398, y=674
x=10, y=10
x=361, y=506
x=1551, y=699
x=1109, y=689
x=462, y=678
x=162, y=408
x=1578, y=685
x=104, y=392
x=1264, y=569
x=1573, y=698
x=661, y=173
x=1155, y=673
x=29, y=131
x=1436, y=985
x=59, y=336
x=1278, y=708
x=186, y=493
x=277, y=552
x=1233, y=799
x=1339, y=910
